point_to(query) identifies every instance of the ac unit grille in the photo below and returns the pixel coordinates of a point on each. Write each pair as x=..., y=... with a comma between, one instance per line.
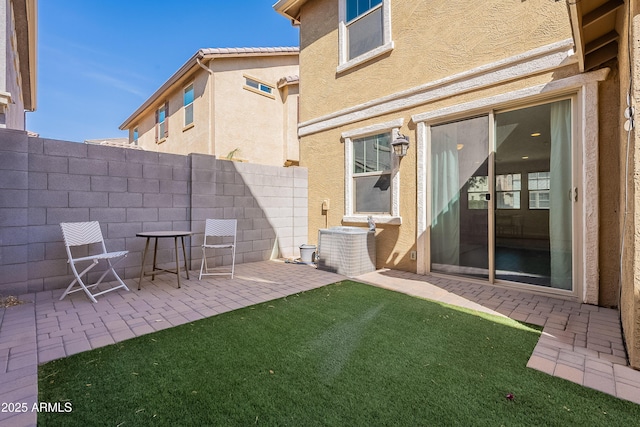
x=350, y=251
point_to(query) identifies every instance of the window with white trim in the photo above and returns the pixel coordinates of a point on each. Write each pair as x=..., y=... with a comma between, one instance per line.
x=372, y=181
x=539, y=187
x=372, y=174
x=187, y=102
x=162, y=124
x=136, y=134
x=258, y=87
x=508, y=191
x=478, y=192
x=364, y=31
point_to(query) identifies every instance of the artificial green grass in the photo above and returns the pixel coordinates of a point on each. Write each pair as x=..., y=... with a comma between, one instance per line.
x=347, y=354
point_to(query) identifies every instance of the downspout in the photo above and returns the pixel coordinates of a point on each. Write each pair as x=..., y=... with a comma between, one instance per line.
x=211, y=104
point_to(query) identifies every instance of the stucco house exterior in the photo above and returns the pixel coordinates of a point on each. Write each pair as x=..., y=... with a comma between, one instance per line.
x=18, y=38
x=239, y=103
x=521, y=170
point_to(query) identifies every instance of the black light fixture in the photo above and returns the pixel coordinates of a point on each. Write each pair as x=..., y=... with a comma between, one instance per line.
x=400, y=145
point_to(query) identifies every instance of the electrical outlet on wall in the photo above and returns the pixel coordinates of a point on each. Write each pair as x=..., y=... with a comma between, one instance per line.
x=413, y=255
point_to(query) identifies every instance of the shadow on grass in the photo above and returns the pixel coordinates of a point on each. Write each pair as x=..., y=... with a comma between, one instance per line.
x=344, y=354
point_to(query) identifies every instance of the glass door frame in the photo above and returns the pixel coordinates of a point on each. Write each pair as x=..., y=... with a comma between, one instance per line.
x=425, y=193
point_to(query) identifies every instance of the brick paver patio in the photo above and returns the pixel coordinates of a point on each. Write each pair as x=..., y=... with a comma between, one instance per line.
x=580, y=343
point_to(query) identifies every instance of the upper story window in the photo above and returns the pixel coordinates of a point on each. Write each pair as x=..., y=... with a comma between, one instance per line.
x=254, y=85
x=136, y=134
x=187, y=102
x=364, y=26
x=364, y=31
x=162, y=124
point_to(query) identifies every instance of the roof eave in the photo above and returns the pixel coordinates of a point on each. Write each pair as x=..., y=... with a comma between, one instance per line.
x=208, y=55
x=26, y=16
x=576, y=29
x=289, y=9
x=191, y=62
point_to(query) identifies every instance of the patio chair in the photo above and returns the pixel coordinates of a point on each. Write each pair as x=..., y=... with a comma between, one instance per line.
x=88, y=234
x=218, y=229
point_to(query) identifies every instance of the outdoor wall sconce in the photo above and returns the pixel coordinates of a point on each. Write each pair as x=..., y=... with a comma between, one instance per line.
x=400, y=145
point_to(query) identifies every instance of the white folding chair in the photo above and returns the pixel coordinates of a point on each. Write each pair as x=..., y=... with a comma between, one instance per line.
x=217, y=229
x=87, y=234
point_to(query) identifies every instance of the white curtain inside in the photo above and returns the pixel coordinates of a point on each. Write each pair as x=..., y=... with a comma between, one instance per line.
x=445, y=205
x=560, y=195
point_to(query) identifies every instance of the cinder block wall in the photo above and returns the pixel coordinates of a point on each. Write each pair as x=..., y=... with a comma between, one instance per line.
x=44, y=182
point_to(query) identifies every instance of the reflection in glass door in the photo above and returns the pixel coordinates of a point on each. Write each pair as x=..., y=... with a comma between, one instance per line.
x=502, y=208
x=459, y=197
x=533, y=215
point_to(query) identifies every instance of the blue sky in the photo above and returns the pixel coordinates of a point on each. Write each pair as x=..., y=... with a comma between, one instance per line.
x=98, y=61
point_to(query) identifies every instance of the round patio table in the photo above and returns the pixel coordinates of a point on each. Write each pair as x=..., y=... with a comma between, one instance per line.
x=163, y=235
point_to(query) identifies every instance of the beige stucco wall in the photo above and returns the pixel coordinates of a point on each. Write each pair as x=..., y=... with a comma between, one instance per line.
x=429, y=45
x=610, y=194
x=433, y=39
x=226, y=115
x=291, y=97
x=630, y=280
x=323, y=154
x=248, y=121
x=11, y=101
x=181, y=140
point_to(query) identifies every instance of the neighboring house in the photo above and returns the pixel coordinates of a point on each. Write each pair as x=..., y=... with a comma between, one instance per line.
x=516, y=169
x=236, y=103
x=113, y=142
x=18, y=37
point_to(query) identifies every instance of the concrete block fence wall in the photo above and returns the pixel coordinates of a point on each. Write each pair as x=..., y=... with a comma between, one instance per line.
x=44, y=182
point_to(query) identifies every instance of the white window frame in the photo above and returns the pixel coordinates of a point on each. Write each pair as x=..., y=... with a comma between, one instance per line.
x=481, y=193
x=185, y=106
x=161, y=126
x=538, y=191
x=344, y=63
x=393, y=127
x=135, y=135
x=513, y=191
x=585, y=88
x=260, y=87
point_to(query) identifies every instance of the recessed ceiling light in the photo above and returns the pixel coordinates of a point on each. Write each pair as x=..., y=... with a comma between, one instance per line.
x=535, y=134
x=525, y=157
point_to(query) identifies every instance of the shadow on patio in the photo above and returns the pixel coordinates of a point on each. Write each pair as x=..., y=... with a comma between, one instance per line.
x=45, y=328
x=580, y=343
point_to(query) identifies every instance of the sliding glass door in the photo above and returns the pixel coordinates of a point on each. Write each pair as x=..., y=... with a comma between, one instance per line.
x=534, y=195
x=502, y=201
x=460, y=197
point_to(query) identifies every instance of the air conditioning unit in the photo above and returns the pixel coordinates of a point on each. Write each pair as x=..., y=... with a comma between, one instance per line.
x=350, y=251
